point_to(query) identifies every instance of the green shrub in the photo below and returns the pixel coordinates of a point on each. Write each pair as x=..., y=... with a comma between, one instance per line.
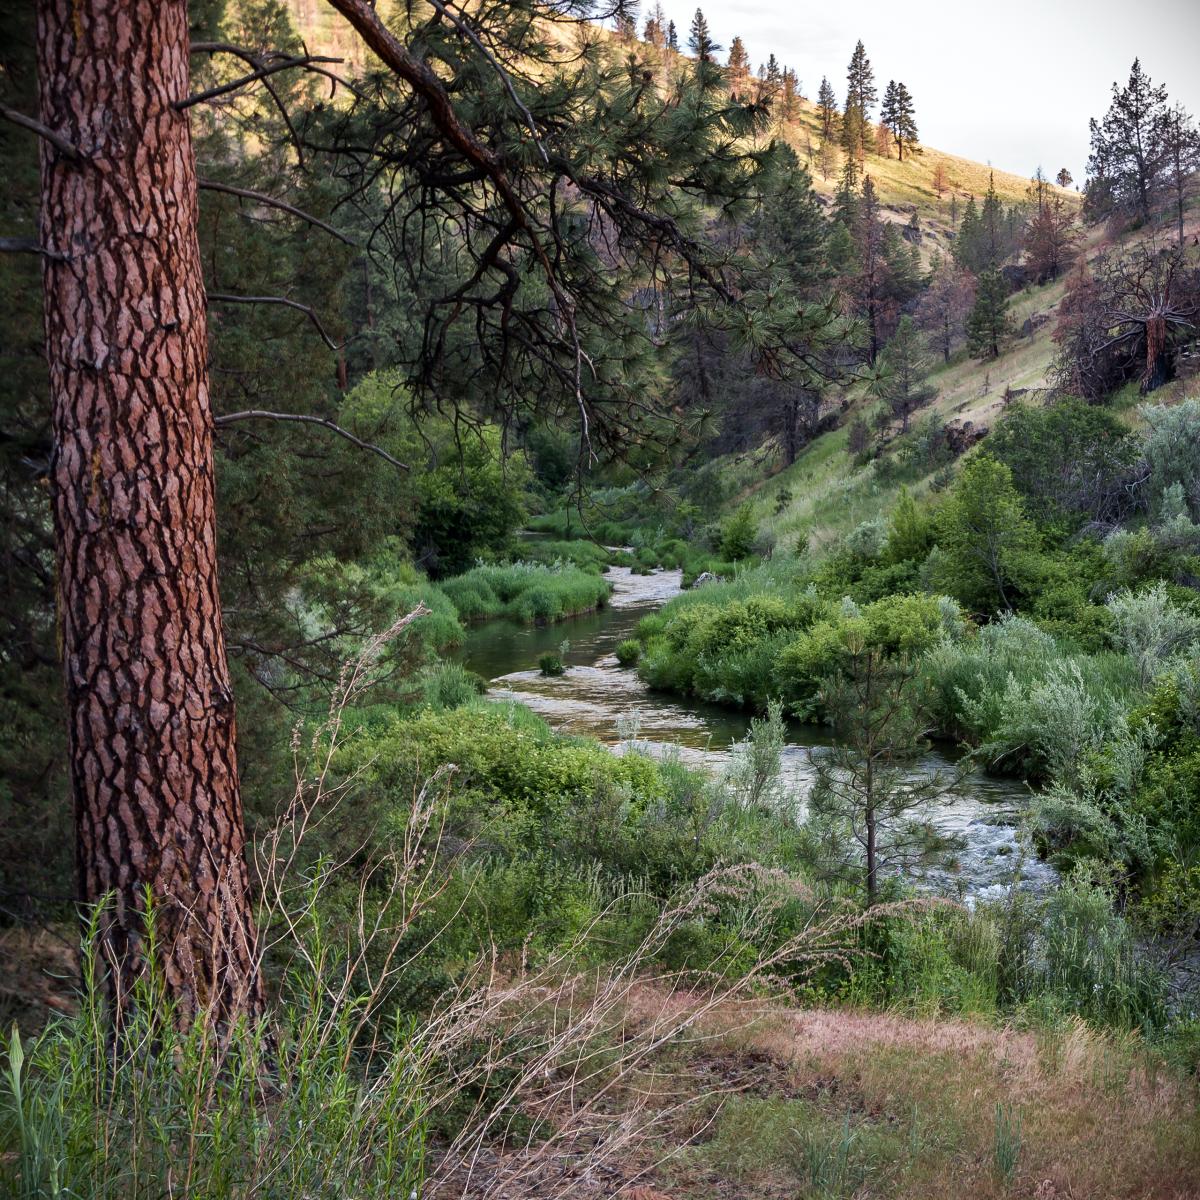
x=901, y=625
x=550, y=664
x=449, y=685
x=628, y=652
x=1151, y=629
x=1070, y=460
x=530, y=592
x=1171, y=449
x=738, y=534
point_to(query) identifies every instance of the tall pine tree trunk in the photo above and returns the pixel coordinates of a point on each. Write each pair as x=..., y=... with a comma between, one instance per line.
x=149, y=706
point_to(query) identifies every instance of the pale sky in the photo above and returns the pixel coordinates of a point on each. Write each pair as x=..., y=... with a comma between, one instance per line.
x=1010, y=82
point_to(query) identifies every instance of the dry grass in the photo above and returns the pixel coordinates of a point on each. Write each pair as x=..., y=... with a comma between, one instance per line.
x=754, y=1101
x=916, y=1103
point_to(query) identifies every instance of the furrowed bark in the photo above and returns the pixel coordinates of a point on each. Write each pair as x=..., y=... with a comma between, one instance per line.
x=149, y=706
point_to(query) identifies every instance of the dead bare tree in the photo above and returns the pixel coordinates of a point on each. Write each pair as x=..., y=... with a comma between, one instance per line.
x=1124, y=320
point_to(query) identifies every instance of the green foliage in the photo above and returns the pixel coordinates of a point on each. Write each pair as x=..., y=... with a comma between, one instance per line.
x=464, y=497
x=554, y=454
x=550, y=664
x=1152, y=629
x=523, y=591
x=911, y=534
x=738, y=534
x=1006, y=1147
x=872, y=812
x=305, y=1112
x=1092, y=964
x=628, y=652
x=895, y=626
x=540, y=836
x=1070, y=461
x=760, y=636
x=1065, y=954
x=984, y=538
x=448, y=685
x=903, y=384
x=1030, y=703
x=1171, y=449
x=988, y=323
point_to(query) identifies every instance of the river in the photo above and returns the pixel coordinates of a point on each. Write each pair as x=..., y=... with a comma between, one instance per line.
x=597, y=697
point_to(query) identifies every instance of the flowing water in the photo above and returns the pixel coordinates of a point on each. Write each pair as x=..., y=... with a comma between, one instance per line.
x=597, y=697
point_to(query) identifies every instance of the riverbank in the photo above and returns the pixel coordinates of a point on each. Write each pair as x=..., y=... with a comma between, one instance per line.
x=597, y=698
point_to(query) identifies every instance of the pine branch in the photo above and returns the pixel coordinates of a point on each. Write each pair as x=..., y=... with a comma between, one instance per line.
x=258, y=414
x=60, y=143
x=249, y=56
x=228, y=298
x=212, y=185
x=475, y=40
x=262, y=72
x=17, y=245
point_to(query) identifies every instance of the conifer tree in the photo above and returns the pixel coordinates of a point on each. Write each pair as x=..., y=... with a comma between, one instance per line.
x=871, y=811
x=1050, y=236
x=738, y=67
x=1038, y=190
x=887, y=110
x=967, y=242
x=860, y=99
x=869, y=286
x=986, y=236
x=902, y=121
x=989, y=322
x=904, y=277
x=789, y=108
x=700, y=41
x=625, y=20
x=772, y=75
x=791, y=226
x=656, y=27
x=1181, y=151
x=1064, y=178
x=940, y=180
x=904, y=384
x=826, y=158
x=1128, y=153
x=883, y=141
x=845, y=207
x=672, y=37
x=828, y=108
x=945, y=304
x=991, y=224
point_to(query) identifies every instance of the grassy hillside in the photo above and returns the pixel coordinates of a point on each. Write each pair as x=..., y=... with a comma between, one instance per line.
x=826, y=495
x=907, y=187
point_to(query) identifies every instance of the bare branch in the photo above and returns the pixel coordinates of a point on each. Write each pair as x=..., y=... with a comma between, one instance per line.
x=57, y=140
x=212, y=185
x=257, y=414
x=261, y=72
x=254, y=60
x=16, y=245
x=228, y=298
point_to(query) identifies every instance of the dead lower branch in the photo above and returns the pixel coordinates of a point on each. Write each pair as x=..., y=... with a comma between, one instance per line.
x=258, y=414
x=229, y=298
